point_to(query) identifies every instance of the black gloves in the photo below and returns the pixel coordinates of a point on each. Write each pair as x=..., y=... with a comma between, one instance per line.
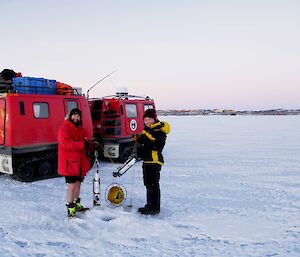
x=96, y=146
x=86, y=144
x=92, y=145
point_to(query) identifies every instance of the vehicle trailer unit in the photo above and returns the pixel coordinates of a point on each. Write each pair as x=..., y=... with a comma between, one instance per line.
x=115, y=119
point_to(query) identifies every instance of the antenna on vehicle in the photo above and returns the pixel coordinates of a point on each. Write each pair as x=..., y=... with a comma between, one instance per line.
x=106, y=76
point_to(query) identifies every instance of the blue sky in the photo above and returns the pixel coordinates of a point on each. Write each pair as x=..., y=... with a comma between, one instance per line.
x=184, y=54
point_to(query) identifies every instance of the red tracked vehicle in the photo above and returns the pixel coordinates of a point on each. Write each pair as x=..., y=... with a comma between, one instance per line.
x=115, y=119
x=32, y=110
x=28, y=132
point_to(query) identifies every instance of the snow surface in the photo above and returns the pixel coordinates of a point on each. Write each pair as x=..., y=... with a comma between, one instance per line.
x=230, y=187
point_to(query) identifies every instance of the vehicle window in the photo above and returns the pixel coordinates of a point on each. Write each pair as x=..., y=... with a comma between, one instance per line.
x=71, y=105
x=40, y=110
x=148, y=106
x=131, y=111
x=22, y=108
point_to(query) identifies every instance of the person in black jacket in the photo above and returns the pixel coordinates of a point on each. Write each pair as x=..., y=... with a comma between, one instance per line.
x=150, y=145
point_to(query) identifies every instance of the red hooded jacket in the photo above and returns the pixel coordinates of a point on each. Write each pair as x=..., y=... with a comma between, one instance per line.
x=72, y=159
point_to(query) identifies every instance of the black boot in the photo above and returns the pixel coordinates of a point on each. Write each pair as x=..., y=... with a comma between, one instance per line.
x=143, y=208
x=147, y=205
x=153, y=200
x=149, y=212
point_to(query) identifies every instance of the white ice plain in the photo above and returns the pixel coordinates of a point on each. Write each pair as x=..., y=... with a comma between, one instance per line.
x=230, y=187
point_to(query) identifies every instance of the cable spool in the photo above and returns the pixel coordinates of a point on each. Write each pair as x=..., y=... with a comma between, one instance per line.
x=116, y=194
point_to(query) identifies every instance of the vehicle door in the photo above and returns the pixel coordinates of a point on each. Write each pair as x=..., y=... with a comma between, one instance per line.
x=131, y=118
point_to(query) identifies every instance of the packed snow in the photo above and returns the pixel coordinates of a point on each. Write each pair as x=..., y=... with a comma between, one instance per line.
x=230, y=187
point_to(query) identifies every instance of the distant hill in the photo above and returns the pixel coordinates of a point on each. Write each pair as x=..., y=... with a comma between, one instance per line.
x=227, y=112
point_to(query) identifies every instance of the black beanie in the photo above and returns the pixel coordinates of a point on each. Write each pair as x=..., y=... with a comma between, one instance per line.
x=150, y=113
x=75, y=111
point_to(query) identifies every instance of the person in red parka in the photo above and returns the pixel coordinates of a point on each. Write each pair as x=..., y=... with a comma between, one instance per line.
x=73, y=163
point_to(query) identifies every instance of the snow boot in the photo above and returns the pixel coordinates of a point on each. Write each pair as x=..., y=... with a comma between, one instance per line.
x=79, y=207
x=149, y=212
x=71, y=209
x=143, y=208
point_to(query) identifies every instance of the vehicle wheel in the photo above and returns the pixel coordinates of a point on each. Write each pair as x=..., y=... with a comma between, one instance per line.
x=45, y=169
x=24, y=170
x=27, y=173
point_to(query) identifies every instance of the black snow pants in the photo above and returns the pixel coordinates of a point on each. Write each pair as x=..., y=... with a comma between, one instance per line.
x=151, y=175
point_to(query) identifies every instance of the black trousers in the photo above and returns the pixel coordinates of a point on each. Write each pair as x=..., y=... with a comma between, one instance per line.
x=151, y=176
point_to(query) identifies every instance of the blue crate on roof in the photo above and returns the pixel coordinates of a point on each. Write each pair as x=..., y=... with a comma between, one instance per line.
x=30, y=85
